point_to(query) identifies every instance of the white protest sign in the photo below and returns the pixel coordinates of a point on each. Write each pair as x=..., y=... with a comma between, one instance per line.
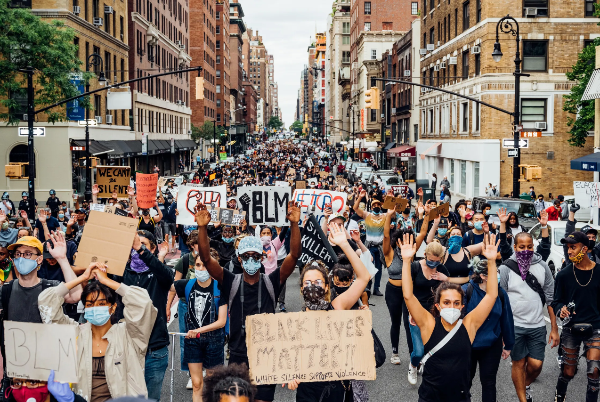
x=190, y=195
x=587, y=194
x=32, y=350
x=315, y=200
x=309, y=163
x=282, y=183
x=266, y=204
x=97, y=207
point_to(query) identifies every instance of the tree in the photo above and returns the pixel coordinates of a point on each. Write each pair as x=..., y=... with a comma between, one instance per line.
x=297, y=126
x=583, y=110
x=207, y=131
x=275, y=123
x=27, y=40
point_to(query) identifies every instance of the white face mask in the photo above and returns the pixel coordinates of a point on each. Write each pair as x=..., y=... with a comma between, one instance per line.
x=450, y=315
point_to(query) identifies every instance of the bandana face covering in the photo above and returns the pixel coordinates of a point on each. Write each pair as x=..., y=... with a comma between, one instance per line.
x=313, y=298
x=136, y=263
x=524, y=261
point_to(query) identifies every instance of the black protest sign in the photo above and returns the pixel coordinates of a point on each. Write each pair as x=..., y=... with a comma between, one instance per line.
x=315, y=245
x=268, y=204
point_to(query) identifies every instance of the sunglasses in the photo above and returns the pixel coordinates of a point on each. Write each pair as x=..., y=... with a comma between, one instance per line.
x=255, y=257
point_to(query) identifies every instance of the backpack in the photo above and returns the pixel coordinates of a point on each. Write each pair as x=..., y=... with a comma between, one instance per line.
x=216, y=299
x=471, y=237
x=238, y=282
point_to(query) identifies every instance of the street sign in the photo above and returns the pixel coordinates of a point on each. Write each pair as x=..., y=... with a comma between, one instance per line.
x=513, y=153
x=589, y=166
x=510, y=143
x=37, y=131
x=144, y=144
x=530, y=134
x=88, y=122
x=77, y=148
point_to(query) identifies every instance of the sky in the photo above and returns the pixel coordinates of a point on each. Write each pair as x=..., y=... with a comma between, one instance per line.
x=287, y=27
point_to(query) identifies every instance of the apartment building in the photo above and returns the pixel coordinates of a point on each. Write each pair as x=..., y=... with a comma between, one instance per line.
x=460, y=36
x=250, y=101
x=318, y=71
x=223, y=62
x=259, y=73
x=237, y=128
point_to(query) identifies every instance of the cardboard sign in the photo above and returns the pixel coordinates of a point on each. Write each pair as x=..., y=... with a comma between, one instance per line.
x=162, y=181
x=587, y=194
x=212, y=176
x=146, y=189
x=229, y=217
x=107, y=238
x=396, y=203
x=310, y=346
x=192, y=194
x=32, y=350
x=309, y=163
x=112, y=179
x=315, y=245
x=238, y=217
x=341, y=181
x=441, y=210
x=97, y=207
x=323, y=174
x=300, y=184
x=268, y=204
x=314, y=201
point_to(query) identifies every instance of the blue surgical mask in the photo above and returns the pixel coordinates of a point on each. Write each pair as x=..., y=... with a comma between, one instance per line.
x=25, y=265
x=432, y=264
x=202, y=276
x=487, y=212
x=61, y=216
x=442, y=231
x=97, y=316
x=454, y=244
x=228, y=239
x=498, y=277
x=251, y=266
x=478, y=225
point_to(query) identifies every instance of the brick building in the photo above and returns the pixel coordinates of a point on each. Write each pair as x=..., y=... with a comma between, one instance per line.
x=250, y=101
x=223, y=61
x=259, y=72
x=237, y=129
x=462, y=36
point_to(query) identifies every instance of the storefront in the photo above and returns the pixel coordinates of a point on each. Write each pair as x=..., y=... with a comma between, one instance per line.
x=404, y=158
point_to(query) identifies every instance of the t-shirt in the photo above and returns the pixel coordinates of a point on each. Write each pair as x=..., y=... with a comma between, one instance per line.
x=553, y=213
x=53, y=203
x=477, y=238
x=185, y=265
x=374, y=225
x=226, y=250
x=199, y=304
x=23, y=306
x=586, y=298
x=423, y=288
x=52, y=224
x=237, y=339
x=9, y=236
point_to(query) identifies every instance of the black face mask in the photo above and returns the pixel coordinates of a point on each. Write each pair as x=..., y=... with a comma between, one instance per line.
x=314, y=297
x=407, y=211
x=145, y=212
x=340, y=289
x=376, y=210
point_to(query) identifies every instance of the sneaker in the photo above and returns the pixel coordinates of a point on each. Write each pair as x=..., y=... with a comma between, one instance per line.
x=528, y=396
x=282, y=308
x=412, y=374
x=377, y=293
x=558, y=398
x=189, y=384
x=395, y=359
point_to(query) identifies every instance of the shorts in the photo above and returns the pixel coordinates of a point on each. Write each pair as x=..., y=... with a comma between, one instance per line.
x=529, y=342
x=571, y=345
x=208, y=349
x=264, y=392
x=169, y=228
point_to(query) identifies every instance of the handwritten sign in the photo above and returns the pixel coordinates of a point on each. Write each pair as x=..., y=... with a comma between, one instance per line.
x=587, y=194
x=323, y=174
x=230, y=217
x=397, y=203
x=112, y=179
x=192, y=194
x=32, y=350
x=146, y=189
x=442, y=210
x=310, y=199
x=162, y=181
x=97, y=207
x=310, y=346
x=268, y=204
x=341, y=181
x=300, y=184
x=315, y=245
x=107, y=238
x=401, y=190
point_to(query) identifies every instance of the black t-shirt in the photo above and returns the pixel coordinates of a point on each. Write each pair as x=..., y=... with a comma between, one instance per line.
x=226, y=250
x=52, y=224
x=237, y=337
x=338, y=250
x=53, y=203
x=423, y=288
x=199, y=304
x=586, y=298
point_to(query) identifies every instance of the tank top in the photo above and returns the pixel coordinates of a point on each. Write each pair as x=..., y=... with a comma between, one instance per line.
x=446, y=376
x=395, y=268
x=146, y=226
x=458, y=269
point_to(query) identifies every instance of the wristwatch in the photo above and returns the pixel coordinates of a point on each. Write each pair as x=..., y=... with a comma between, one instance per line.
x=141, y=249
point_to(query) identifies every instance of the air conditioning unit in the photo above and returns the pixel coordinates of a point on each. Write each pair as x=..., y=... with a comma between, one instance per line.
x=436, y=67
x=423, y=89
x=476, y=50
x=430, y=46
x=76, y=10
x=98, y=21
x=383, y=115
x=393, y=110
x=98, y=119
x=407, y=73
x=108, y=10
x=443, y=64
x=531, y=12
x=422, y=52
x=541, y=125
x=178, y=42
x=452, y=60
x=181, y=46
x=109, y=118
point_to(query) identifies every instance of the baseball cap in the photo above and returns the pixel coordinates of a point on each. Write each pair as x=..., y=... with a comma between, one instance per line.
x=250, y=243
x=46, y=254
x=31, y=241
x=588, y=229
x=376, y=201
x=576, y=237
x=333, y=216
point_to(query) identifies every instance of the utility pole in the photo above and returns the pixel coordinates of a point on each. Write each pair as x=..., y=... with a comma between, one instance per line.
x=30, y=149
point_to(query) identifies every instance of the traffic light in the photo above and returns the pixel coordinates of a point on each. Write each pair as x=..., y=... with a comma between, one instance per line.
x=199, y=87
x=374, y=98
x=369, y=99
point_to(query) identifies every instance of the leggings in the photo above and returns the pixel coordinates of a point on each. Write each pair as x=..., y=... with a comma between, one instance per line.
x=407, y=328
x=489, y=361
x=395, y=303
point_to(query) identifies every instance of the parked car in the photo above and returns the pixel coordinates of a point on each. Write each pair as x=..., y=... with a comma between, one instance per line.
x=523, y=208
x=556, y=231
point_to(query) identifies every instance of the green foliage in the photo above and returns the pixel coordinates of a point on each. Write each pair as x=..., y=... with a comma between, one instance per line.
x=275, y=123
x=583, y=111
x=207, y=131
x=296, y=126
x=27, y=40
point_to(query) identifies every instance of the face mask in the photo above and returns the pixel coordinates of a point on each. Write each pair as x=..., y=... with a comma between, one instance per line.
x=202, y=276
x=486, y=212
x=432, y=264
x=97, y=316
x=25, y=265
x=4, y=225
x=228, y=239
x=145, y=212
x=498, y=277
x=136, y=263
x=454, y=244
x=61, y=216
x=469, y=206
x=251, y=266
x=376, y=210
x=478, y=225
x=578, y=258
x=524, y=260
x=314, y=297
x=450, y=315
x=442, y=231
x=340, y=289
x=25, y=394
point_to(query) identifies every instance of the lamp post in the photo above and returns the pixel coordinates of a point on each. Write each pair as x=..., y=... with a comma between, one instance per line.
x=228, y=135
x=505, y=25
x=351, y=110
x=93, y=60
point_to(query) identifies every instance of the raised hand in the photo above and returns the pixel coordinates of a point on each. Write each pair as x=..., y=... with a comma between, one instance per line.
x=115, y=195
x=490, y=247
x=24, y=215
x=503, y=216
x=486, y=227
x=202, y=216
x=101, y=273
x=71, y=221
x=42, y=216
x=163, y=250
x=543, y=219
x=420, y=192
x=130, y=191
x=337, y=236
x=355, y=235
x=363, y=193
x=58, y=246
x=409, y=247
x=293, y=214
x=95, y=189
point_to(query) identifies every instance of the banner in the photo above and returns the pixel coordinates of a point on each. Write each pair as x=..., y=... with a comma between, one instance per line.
x=146, y=189
x=401, y=190
x=314, y=201
x=112, y=179
x=310, y=346
x=230, y=217
x=587, y=194
x=192, y=194
x=315, y=245
x=32, y=350
x=266, y=205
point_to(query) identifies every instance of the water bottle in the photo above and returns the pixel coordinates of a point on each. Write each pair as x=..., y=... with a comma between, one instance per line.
x=570, y=309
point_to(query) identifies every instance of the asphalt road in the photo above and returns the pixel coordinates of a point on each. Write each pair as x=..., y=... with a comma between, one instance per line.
x=392, y=383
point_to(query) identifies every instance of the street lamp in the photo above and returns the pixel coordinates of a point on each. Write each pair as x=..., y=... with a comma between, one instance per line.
x=505, y=25
x=93, y=60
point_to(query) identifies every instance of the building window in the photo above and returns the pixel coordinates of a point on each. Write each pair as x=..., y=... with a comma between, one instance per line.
x=218, y=29
x=465, y=65
x=466, y=16
x=345, y=27
x=218, y=59
x=463, y=177
x=19, y=153
x=345, y=40
x=373, y=54
x=478, y=64
x=218, y=89
x=414, y=8
x=432, y=36
x=534, y=55
x=218, y=15
x=476, y=116
x=589, y=8
x=455, y=22
x=218, y=44
x=218, y=117
x=478, y=11
x=452, y=173
x=464, y=117
x=533, y=110
x=367, y=26
x=218, y=73
x=367, y=8
x=475, y=178
x=345, y=57
x=373, y=115
x=540, y=6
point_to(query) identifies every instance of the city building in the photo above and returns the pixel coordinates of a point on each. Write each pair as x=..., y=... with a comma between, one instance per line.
x=250, y=111
x=457, y=41
x=223, y=62
x=318, y=71
x=258, y=73
x=237, y=126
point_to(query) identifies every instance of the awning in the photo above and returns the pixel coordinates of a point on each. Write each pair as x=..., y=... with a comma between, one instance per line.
x=389, y=146
x=185, y=145
x=119, y=149
x=135, y=146
x=589, y=162
x=96, y=148
x=158, y=147
x=437, y=144
x=402, y=151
